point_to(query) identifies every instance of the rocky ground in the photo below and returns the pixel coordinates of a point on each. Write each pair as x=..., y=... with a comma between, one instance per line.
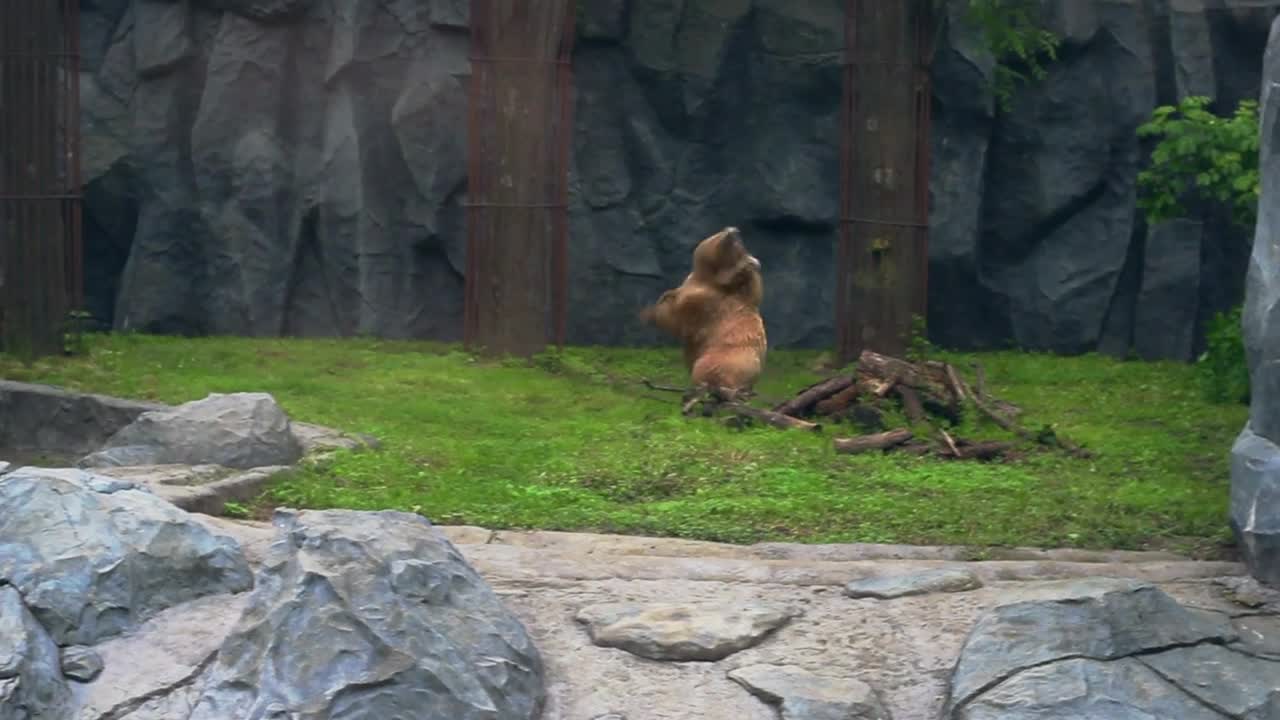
x=778, y=635
x=119, y=602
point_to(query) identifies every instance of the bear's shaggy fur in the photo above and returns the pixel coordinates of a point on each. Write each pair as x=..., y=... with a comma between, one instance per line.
x=715, y=313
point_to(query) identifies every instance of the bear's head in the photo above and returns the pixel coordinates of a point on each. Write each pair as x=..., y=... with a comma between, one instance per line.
x=722, y=261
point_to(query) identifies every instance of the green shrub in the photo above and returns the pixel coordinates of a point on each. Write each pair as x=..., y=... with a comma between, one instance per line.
x=1212, y=158
x=1011, y=31
x=1223, y=369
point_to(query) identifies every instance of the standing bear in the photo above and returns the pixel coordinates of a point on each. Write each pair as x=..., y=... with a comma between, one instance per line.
x=715, y=314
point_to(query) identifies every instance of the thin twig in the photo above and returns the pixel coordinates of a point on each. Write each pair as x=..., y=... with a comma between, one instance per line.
x=662, y=388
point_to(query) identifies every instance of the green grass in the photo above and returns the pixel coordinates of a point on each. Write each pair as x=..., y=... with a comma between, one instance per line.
x=572, y=441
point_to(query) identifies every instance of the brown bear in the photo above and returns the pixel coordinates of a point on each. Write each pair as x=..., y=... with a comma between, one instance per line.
x=715, y=313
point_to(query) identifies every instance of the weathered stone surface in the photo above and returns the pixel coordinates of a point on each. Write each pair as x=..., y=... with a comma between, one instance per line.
x=905, y=649
x=930, y=581
x=1250, y=593
x=163, y=659
x=35, y=418
x=1081, y=688
x=31, y=683
x=1108, y=649
x=1260, y=635
x=1096, y=620
x=365, y=614
x=198, y=488
x=1255, y=457
x=1240, y=685
x=681, y=632
x=237, y=430
x=1255, y=502
x=802, y=695
x=93, y=556
x=81, y=663
x=289, y=166
x=1169, y=300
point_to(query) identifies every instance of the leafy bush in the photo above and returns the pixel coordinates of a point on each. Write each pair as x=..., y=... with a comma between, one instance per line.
x=1013, y=34
x=1223, y=369
x=1203, y=155
x=1212, y=159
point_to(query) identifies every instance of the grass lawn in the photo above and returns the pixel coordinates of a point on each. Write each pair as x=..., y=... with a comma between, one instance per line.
x=574, y=442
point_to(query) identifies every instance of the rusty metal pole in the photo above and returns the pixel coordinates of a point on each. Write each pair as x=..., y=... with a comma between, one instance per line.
x=882, y=257
x=40, y=194
x=519, y=135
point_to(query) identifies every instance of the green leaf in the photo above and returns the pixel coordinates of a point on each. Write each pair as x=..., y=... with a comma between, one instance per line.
x=1199, y=153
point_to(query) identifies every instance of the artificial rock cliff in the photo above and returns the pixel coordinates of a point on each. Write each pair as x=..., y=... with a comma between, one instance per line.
x=269, y=167
x=1255, y=457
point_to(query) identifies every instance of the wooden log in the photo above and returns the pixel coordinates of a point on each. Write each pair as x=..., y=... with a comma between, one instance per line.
x=803, y=402
x=929, y=379
x=919, y=449
x=911, y=404
x=867, y=443
x=839, y=402
x=867, y=417
x=770, y=417
x=986, y=450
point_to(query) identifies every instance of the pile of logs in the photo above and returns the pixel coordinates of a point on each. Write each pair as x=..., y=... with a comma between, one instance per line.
x=931, y=396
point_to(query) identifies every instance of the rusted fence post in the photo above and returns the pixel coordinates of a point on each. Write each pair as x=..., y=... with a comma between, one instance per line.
x=882, y=260
x=520, y=127
x=40, y=247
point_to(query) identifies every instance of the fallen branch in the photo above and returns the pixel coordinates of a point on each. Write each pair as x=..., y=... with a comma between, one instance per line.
x=1051, y=438
x=957, y=387
x=987, y=450
x=951, y=443
x=776, y=419
x=662, y=388
x=883, y=373
x=803, y=402
x=839, y=402
x=911, y=405
x=981, y=376
x=867, y=443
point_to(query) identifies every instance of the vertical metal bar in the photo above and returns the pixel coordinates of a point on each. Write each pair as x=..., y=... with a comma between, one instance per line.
x=926, y=34
x=474, y=178
x=843, y=258
x=75, y=181
x=560, y=271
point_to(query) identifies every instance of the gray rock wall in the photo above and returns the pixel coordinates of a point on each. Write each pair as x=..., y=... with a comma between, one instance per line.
x=298, y=167
x=1255, y=457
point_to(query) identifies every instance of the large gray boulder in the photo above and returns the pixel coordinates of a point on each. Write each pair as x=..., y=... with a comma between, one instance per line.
x=93, y=556
x=268, y=167
x=237, y=430
x=31, y=682
x=367, y=615
x=45, y=419
x=1109, y=649
x=1255, y=504
x=1255, y=457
